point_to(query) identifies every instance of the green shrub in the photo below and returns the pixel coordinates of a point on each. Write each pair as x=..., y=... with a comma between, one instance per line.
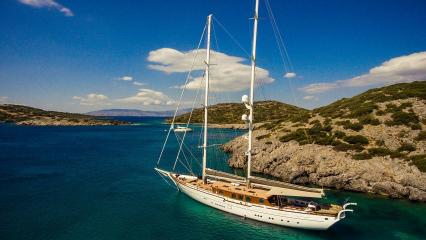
x=369, y=120
x=419, y=161
x=421, y=136
x=361, y=156
x=403, y=118
x=263, y=136
x=343, y=147
x=380, y=113
x=416, y=126
x=380, y=151
x=298, y=135
x=364, y=109
x=405, y=105
x=339, y=134
x=356, y=139
x=314, y=121
x=327, y=128
x=407, y=147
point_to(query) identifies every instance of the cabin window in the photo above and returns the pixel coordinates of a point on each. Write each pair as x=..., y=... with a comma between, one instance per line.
x=247, y=199
x=240, y=197
x=261, y=200
x=234, y=196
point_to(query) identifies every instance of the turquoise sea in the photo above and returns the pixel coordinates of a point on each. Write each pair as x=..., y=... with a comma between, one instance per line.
x=99, y=183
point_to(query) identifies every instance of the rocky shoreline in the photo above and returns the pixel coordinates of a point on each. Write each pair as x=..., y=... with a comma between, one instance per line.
x=323, y=166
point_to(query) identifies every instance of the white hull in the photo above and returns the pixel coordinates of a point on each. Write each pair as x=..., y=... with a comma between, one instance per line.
x=288, y=218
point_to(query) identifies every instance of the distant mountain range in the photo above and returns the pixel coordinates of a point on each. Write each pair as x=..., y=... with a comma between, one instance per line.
x=134, y=113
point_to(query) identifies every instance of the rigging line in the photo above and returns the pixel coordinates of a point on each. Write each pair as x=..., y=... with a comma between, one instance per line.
x=189, y=119
x=279, y=34
x=215, y=37
x=187, y=162
x=221, y=135
x=181, y=140
x=274, y=29
x=181, y=95
x=174, y=165
x=164, y=179
x=275, y=25
x=231, y=36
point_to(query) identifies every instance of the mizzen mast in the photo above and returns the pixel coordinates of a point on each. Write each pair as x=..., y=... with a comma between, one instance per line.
x=250, y=104
x=206, y=96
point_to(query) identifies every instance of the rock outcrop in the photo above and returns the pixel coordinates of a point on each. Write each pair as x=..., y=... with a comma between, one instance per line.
x=323, y=166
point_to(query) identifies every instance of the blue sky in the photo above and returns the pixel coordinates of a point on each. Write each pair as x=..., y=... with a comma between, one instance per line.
x=86, y=55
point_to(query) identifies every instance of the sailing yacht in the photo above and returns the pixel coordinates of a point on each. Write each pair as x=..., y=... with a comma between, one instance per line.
x=253, y=197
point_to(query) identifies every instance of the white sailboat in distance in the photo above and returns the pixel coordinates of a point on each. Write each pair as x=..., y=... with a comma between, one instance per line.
x=253, y=197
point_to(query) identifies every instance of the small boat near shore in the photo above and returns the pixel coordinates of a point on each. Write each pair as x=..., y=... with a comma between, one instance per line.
x=182, y=129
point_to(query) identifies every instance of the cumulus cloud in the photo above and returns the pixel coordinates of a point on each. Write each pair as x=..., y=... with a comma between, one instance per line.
x=92, y=99
x=51, y=4
x=310, y=98
x=228, y=73
x=138, y=83
x=290, y=75
x=407, y=68
x=148, y=97
x=125, y=78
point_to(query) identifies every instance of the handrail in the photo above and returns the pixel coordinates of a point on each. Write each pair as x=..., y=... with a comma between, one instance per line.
x=342, y=212
x=349, y=204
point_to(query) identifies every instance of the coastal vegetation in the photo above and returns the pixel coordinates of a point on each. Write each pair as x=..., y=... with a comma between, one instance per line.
x=230, y=113
x=23, y=115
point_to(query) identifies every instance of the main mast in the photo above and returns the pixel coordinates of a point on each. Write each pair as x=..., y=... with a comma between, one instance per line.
x=206, y=96
x=251, y=103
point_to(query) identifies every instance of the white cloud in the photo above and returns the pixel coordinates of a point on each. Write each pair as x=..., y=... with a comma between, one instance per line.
x=51, y=4
x=3, y=99
x=310, y=98
x=125, y=78
x=407, y=68
x=138, y=83
x=92, y=99
x=228, y=73
x=148, y=97
x=290, y=75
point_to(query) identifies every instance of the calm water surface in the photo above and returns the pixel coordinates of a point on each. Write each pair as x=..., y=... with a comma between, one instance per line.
x=99, y=183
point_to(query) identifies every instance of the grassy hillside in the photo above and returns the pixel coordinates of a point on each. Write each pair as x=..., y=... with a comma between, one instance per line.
x=231, y=113
x=24, y=115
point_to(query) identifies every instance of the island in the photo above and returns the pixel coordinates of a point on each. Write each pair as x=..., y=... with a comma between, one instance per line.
x=24, y=115
x=374, y=142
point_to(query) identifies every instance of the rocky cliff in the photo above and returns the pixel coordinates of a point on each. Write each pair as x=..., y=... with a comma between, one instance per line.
x=374, y=142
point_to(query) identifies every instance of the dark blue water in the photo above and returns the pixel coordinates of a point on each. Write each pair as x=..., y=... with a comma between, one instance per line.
x=99, y=183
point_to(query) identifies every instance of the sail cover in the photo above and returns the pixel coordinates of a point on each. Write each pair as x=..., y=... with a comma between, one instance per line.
x=288, y=189
x=219, y=174
x=293, y=193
